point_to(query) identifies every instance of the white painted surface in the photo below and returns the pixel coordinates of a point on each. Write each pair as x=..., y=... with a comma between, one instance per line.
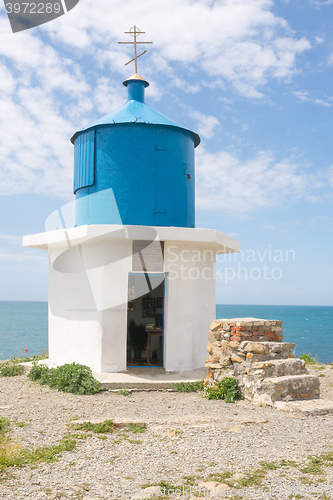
x=88, y=286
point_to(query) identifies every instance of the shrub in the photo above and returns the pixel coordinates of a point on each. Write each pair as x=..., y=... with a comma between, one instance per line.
x=226, y=389
x=189, y=386
x=74, y=378
x=10, y=368
x=309, y=360
x=38, y=372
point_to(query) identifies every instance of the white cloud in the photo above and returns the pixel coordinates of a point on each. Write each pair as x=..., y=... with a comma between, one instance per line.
x=53, y=84
x=16, y=240
x=304, y=96
x=206, y=126
x=24, y=256
x=321, y=2
x=238, y=187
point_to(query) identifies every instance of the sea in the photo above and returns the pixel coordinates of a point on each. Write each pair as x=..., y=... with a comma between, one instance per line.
x=23, y=325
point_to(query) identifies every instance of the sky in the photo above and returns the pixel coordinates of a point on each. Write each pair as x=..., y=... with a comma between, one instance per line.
x=252, y=77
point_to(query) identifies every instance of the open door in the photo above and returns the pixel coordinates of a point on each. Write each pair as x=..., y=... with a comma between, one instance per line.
x=145, y=315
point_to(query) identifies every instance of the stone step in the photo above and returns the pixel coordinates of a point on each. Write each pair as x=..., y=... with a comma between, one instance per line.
x=290, y=388
x=277, y=368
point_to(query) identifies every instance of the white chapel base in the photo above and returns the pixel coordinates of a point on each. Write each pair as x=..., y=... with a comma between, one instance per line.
x=139, y=378
x=88, y=292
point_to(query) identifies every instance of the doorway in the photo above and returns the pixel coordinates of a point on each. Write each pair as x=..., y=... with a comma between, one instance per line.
x=145, y=319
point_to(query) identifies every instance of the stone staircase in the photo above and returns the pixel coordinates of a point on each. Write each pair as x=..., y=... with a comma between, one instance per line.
x=252, y=350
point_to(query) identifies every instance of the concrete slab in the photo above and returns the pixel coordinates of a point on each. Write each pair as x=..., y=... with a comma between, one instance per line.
x=312, y=407
x=140, y=377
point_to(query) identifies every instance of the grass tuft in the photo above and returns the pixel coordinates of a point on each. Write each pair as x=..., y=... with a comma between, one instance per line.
x=189, y=386
x=136, y=428
x=105, y=427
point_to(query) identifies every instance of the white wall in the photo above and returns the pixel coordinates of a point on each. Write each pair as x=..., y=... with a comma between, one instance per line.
x=88, y=308
x=189, y=305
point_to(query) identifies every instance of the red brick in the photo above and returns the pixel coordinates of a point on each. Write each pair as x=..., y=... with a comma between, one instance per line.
x=255, y=328
x=239, y=329
x=268, y=331
x=236, y=338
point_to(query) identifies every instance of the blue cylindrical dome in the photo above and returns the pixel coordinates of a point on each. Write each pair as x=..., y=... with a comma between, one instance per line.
x=135, y=166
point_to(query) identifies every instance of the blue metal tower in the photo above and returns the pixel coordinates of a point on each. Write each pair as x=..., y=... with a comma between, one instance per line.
x=146, y=159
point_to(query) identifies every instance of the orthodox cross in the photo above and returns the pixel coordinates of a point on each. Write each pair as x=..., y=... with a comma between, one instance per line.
x=135, y=32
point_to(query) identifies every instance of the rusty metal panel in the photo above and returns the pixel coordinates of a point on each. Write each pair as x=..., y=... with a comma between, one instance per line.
x=84, y=159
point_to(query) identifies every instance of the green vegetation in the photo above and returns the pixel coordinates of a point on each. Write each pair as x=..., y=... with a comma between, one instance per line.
x=167, y=489
x=134, y=441
x=11, y=368
x=4, y=424
x=254, y=478
x=226, y=389
x=309, y=360
x=102, y=428
x=124, y=392
x=189, y=386
x=12, y=454
x=74, y=378
x=269, y=465
x=220, y=477
x=35, y=357
x=136, y=428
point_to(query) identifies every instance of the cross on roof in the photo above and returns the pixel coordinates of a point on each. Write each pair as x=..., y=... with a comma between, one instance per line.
x=135, y=32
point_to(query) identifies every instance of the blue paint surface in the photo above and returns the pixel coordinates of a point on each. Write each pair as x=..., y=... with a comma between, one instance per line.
x=143, y=169
x=84, y=160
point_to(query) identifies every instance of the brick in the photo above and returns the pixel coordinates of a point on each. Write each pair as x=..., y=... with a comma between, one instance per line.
x=236, y=338
x=268, y=331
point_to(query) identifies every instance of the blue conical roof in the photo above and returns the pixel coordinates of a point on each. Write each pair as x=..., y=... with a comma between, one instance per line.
x=135, y=111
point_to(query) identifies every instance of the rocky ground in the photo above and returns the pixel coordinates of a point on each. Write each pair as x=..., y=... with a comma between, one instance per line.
x=188, y=440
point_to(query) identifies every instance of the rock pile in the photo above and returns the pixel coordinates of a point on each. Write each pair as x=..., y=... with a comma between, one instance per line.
x=252, y=350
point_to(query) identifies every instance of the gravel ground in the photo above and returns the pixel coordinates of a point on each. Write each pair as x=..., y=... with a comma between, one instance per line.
x=186, y=435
